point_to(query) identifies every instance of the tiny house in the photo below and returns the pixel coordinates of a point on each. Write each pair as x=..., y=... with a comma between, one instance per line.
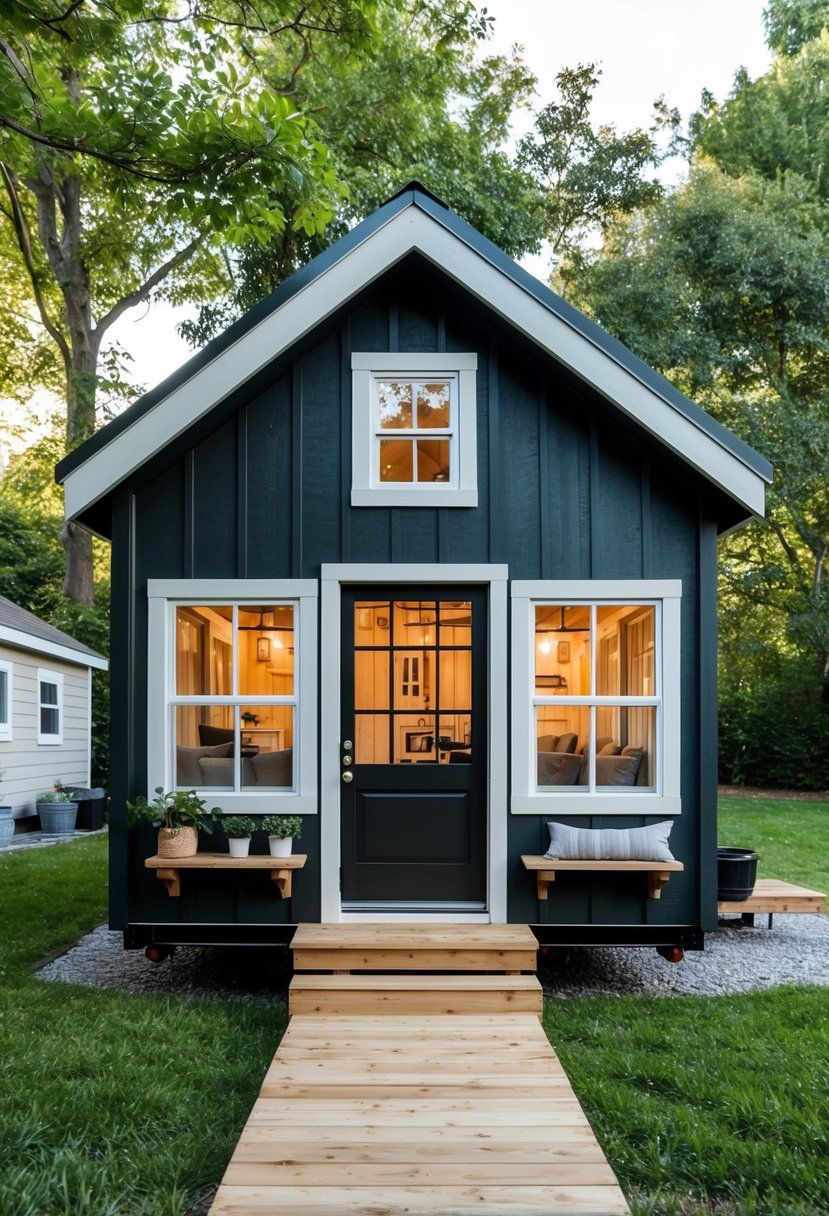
x=419, y=553
x=45, y=710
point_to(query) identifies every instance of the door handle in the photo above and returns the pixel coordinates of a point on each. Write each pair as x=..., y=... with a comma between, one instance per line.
x=348, y=776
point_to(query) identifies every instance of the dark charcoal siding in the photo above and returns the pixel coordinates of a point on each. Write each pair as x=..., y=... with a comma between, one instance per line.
x=567, y=489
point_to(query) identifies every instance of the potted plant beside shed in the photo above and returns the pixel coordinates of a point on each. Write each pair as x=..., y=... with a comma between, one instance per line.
x=281, y=830
x=179, y=816
x=238, y=829
x=57, y=811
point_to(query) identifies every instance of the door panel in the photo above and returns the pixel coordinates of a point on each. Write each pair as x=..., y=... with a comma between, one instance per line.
x=414, y=811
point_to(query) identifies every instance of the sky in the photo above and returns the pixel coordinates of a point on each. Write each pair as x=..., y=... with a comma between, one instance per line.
x=644, y=47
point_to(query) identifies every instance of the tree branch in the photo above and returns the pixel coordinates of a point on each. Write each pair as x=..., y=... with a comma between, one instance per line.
x=142, y=293
x=24, y=242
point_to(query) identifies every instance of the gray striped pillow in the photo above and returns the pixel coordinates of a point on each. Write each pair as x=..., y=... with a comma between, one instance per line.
x=610, y=844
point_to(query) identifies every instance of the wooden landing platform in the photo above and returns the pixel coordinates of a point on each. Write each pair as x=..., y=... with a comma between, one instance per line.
x=772, y=895
x=426, y=1116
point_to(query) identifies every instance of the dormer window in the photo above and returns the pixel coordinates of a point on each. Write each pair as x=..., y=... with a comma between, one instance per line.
x=414, y=430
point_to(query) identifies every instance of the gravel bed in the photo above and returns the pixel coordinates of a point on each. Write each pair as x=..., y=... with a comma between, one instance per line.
x=737, y=958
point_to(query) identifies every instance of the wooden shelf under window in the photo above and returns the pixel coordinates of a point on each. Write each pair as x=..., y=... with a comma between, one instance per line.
x=168, y=869
x=657, y=872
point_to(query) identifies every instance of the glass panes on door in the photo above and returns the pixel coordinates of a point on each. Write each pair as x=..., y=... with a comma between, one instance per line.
x=596, y=699
x=412, y=681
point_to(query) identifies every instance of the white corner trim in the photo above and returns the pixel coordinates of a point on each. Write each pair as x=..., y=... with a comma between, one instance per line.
x=410, y=229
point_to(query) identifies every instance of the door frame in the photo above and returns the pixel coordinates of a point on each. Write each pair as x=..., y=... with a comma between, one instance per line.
x=333, y=578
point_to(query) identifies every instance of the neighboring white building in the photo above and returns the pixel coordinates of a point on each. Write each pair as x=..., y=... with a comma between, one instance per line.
x=45, y=707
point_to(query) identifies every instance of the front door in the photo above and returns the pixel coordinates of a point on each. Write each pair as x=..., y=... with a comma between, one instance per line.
x=413, y=761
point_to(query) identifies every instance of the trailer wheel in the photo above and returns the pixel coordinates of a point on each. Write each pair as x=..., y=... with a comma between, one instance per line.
x=157, y=954
x=673, y=954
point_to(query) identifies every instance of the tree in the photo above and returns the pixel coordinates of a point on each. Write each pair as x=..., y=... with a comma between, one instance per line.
x=133, y=139
x=587, y=177
x=427, y=106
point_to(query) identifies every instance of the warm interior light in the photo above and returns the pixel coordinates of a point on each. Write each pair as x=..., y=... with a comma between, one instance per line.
x=544, y=647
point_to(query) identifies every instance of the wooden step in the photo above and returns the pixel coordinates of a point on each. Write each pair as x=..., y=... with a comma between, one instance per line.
x=414, y=947
x=346, y=995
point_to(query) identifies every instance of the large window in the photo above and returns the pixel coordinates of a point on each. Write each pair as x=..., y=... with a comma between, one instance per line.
x=414, y=430
x=50, y=707
x=5, y=700
x=239, y=698
x=596, y=709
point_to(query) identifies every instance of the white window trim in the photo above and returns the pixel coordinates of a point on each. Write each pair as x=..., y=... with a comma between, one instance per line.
x=7, y=669
x=164, y=595
x=526, y=799
x=44, y=676
x=366, y=491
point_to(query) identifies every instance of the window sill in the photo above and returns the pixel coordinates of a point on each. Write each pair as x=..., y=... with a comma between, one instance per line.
x=443, y=496
x=629, y=803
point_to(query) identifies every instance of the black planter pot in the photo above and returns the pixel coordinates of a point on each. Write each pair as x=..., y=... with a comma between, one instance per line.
x=736, y=873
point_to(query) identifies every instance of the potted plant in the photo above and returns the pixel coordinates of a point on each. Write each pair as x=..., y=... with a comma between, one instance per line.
x=57, y=811
x=281, y=831
x=249, y=718
x=6, y=821
x=238, y=829
x=179, y=816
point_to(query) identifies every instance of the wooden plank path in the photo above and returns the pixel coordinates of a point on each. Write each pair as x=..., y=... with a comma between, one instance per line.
x=446, y=1115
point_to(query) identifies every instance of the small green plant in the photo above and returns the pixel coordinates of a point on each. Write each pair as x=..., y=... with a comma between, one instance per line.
x=250, y=719
x=175, y=810
x=282, y=825
x=55, y=795
x=237, y=827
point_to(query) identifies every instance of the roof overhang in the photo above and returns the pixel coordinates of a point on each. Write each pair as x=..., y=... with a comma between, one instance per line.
x=21, y=640
x=402, y=227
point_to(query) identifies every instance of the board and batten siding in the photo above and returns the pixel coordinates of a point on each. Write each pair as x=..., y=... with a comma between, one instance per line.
x=30, y=767
x=568, y=489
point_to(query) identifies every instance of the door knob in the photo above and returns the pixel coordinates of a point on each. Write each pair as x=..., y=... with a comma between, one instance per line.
x=348, y=776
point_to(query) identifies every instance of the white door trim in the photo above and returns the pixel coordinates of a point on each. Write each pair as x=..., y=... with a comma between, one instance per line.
x=334, y=577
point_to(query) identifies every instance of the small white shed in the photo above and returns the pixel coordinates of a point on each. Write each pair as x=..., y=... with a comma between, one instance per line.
x=45, y=708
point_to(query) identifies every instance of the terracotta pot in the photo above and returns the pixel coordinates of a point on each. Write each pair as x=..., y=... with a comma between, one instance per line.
x=185, y=842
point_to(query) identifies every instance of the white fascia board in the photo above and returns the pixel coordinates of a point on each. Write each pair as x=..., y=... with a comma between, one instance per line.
x=25, y=641
x=408, y=230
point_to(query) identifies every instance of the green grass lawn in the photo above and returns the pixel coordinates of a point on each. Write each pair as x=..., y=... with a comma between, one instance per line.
x=790, y=835
x=117, y=1105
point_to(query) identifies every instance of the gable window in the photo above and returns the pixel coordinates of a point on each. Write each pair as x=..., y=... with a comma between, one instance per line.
x=596, y=697
x=50, y=707
x=5, y=700
x=413, y=435
x=236, y=707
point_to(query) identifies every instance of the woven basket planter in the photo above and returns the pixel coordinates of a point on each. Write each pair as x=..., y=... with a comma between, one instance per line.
x=185, y=843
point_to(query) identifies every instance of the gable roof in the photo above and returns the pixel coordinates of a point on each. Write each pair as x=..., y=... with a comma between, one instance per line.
x=414, y=220
x=25, y=631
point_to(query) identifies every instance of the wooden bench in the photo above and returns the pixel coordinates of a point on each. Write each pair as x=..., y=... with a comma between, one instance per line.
x=168, y=869
x=657, y=872
x=772, y=895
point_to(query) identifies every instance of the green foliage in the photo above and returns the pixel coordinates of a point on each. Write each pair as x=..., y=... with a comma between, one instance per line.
x=31, y=561
x=55, y=795
x=281, y=825
x=791, y=836
x=774, y=734
x=790, y=23
x=174, y=810
x=237, y=827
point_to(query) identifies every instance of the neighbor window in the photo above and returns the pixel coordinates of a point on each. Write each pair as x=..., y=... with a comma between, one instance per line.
x=5, y=700
x=596, y=697
x=414, y=430
x=50, y=707
x=239, y=703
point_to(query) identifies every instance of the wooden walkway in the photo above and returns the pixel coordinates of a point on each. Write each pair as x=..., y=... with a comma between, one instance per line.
x=386, y=1113
x=443, y=1115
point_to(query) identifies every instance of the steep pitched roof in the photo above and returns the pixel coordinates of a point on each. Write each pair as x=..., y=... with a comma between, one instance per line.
x=25, y=631
x=414, y=220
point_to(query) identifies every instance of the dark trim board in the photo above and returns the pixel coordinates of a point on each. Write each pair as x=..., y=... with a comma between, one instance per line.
x=687, y=937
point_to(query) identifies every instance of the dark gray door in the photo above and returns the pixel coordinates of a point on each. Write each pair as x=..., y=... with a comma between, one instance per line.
x=414, y=814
